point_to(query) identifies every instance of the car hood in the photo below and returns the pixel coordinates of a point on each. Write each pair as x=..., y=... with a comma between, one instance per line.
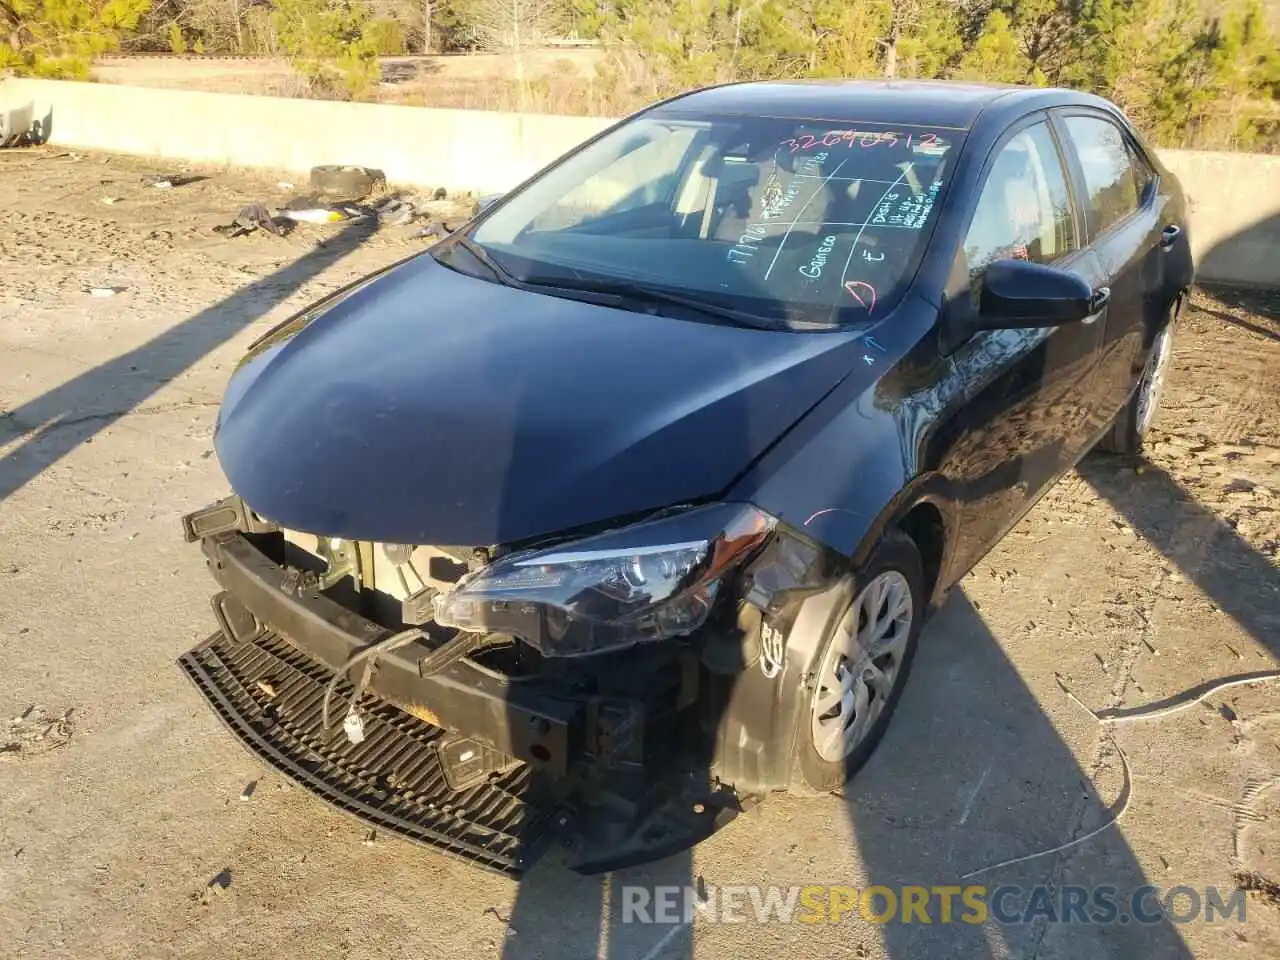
x=428, y=406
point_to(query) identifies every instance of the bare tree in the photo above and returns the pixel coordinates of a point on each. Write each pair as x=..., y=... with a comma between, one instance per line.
x=219, y=22
x=513, y=27
x=414, y=16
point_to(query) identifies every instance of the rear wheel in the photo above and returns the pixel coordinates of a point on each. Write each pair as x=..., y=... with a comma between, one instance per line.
x=863, y=667
x=1130, y=427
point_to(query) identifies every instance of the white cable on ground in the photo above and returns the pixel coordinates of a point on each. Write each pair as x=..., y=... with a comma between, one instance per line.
x=1151, y=711
x=1126, y=794
x=1188, y=698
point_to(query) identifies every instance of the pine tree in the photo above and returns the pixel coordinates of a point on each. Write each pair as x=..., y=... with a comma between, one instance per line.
x=330, y=43
x=1126, y=47
x=60, y=38
x=933, y=40
x=996, y=56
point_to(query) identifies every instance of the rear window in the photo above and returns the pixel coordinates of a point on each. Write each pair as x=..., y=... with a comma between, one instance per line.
x=1114, y=188
x=808, y=219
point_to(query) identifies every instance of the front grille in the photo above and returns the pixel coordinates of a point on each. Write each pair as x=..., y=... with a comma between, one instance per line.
x=269, y=694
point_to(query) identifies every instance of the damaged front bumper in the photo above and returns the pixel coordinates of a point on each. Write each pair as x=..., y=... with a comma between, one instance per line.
x=268, y=694
x=261, y=595
x=455, y=754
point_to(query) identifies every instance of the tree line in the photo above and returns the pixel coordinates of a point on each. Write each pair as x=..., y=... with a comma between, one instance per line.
x=1190, y=73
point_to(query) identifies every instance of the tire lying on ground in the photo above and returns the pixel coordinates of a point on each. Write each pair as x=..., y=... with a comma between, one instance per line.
x=346, y=183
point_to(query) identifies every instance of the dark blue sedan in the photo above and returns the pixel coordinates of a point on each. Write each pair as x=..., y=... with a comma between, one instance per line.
x=624, y=505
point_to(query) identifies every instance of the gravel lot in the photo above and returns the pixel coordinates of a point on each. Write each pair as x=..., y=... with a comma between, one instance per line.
x=122, y=829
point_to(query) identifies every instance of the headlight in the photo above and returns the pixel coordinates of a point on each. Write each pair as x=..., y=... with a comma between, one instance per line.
x=649, y=581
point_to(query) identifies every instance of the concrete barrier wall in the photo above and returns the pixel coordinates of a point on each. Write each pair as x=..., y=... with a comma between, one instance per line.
x=460, y=149
x=1235, y=216
x=1235, y=213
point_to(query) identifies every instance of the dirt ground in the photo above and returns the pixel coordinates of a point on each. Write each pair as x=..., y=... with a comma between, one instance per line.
x=123, y=832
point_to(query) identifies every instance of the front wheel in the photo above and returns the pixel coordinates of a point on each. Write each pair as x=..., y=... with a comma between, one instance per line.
x=863, y=666
x=1130, y=427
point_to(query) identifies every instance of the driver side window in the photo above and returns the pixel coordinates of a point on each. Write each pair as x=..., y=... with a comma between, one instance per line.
x=1024, y=210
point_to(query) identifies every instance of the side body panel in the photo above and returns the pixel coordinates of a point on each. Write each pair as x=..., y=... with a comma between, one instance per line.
x=1027, y=418
x=977, y=426
x=980, y=424
x=833, y=476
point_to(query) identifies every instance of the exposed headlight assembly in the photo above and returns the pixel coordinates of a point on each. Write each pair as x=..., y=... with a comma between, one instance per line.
x=653, y=580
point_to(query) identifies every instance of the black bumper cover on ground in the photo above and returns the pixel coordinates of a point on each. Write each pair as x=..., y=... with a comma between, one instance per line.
x=269, y=695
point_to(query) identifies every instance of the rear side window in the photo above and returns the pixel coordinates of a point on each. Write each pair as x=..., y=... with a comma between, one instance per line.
x=1144, y=176
x=1024, y=210
x=1113, y=187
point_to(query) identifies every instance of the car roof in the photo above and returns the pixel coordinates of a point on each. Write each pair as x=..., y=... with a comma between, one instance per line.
x=940, y=103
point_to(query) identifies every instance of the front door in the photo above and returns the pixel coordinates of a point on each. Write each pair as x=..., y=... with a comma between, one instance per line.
x=1029, y=411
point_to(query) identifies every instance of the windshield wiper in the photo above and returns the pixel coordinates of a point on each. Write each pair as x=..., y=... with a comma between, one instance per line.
x=628, y=290
x=505, y=277
x=479, y=253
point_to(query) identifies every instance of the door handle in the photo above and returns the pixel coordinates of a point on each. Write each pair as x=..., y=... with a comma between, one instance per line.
x=1101, y=297
x=1169, y=235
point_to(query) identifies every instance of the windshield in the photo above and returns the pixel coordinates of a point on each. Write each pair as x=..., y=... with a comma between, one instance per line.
x=800, y=219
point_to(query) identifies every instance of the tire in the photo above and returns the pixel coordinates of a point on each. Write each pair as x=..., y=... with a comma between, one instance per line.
x=824, y=765
x=1131, y=424
x=346, y=183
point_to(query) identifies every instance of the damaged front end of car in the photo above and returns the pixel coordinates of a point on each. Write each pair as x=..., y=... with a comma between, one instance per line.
x=621, y=690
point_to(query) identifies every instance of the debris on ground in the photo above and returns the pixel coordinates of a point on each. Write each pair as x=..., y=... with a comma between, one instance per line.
x=165, y=181
x=247, y=793
x=436, y=228
x=314, y=210
x=398, y=209
x=511, y=932
x=346, y=183
x=105, y=291
x=395, y=212
x=253, y=217
x=35, y=731
x=1268, y=891
x=110, y=200
x=219, y=883
x=456, y=208
x=15, y=126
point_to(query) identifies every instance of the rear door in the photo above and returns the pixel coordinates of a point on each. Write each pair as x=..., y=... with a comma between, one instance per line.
x=1118, y=189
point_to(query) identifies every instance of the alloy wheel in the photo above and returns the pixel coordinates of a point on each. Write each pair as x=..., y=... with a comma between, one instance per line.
x=861, y=666
x=1153, y=378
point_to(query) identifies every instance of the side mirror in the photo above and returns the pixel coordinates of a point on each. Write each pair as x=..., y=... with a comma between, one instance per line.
x=488, y=200
x=1017, y=293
